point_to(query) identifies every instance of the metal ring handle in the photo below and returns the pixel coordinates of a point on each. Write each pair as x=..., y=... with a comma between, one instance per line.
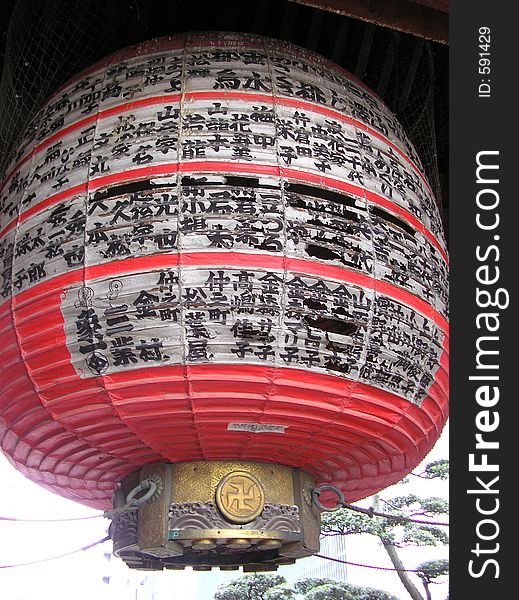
x=147, y=484
x=316, y=492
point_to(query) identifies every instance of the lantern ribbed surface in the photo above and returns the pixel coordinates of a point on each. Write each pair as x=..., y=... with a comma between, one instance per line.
x=219, y=246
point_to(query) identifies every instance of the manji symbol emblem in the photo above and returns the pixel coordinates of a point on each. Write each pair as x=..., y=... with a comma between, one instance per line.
x=240, y=497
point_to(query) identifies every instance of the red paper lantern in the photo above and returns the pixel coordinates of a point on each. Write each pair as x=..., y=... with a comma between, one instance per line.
x=219, y=247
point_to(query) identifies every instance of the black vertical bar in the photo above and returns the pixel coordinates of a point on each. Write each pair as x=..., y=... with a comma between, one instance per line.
x=411, y=74
x=260, y=16
x=389, y=62
x=339, y=45
x=365, y=49
x=483, y=234
x=288, y=19
x=314, y=32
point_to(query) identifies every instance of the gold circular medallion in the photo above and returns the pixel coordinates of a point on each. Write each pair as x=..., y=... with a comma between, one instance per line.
x=240, y=497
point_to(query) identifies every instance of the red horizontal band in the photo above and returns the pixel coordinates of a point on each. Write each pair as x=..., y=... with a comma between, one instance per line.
x=113, y=110
x=80, y=435
x=281, y=100
x=312, y=107
x=105, y=427
x=129, y=414
x=230, y=167
x=238, y=259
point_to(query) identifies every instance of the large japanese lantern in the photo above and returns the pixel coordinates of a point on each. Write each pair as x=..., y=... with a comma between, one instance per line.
x=224, y=282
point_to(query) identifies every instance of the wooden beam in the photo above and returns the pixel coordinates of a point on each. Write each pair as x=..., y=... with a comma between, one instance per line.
x=409, y=16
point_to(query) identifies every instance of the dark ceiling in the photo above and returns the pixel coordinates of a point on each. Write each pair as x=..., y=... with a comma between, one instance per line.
x=44, y=42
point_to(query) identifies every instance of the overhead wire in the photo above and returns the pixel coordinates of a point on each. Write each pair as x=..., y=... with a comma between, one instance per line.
x=367, y=511
x=347, y=562
x=106, y=538
x=42, y=560
x=50, y=520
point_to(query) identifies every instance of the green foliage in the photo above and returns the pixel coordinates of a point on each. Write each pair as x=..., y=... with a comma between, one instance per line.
x=393, y=530
x=416, y=505
x=347, y=522
x=439, y=469
x=422, y=535
x=305, y=585
x=274, y=587
x=343, y=591
x=250, y=587
x=280, y=592
x=396, y=531
x=432, y=569
x=364, y=593
x=398, y=527
x=434, y=506
x=329, y=591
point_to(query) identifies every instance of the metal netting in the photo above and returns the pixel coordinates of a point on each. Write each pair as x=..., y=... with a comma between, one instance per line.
x=408, y=88
x=48, y=41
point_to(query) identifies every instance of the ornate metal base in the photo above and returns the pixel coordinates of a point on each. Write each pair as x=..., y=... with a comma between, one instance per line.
x=214, y=514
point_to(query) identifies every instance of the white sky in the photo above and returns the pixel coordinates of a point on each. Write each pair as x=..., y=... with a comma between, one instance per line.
x=367, y=550
x=80, y=576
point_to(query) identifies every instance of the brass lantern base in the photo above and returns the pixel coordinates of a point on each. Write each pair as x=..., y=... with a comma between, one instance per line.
x=208, y=514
